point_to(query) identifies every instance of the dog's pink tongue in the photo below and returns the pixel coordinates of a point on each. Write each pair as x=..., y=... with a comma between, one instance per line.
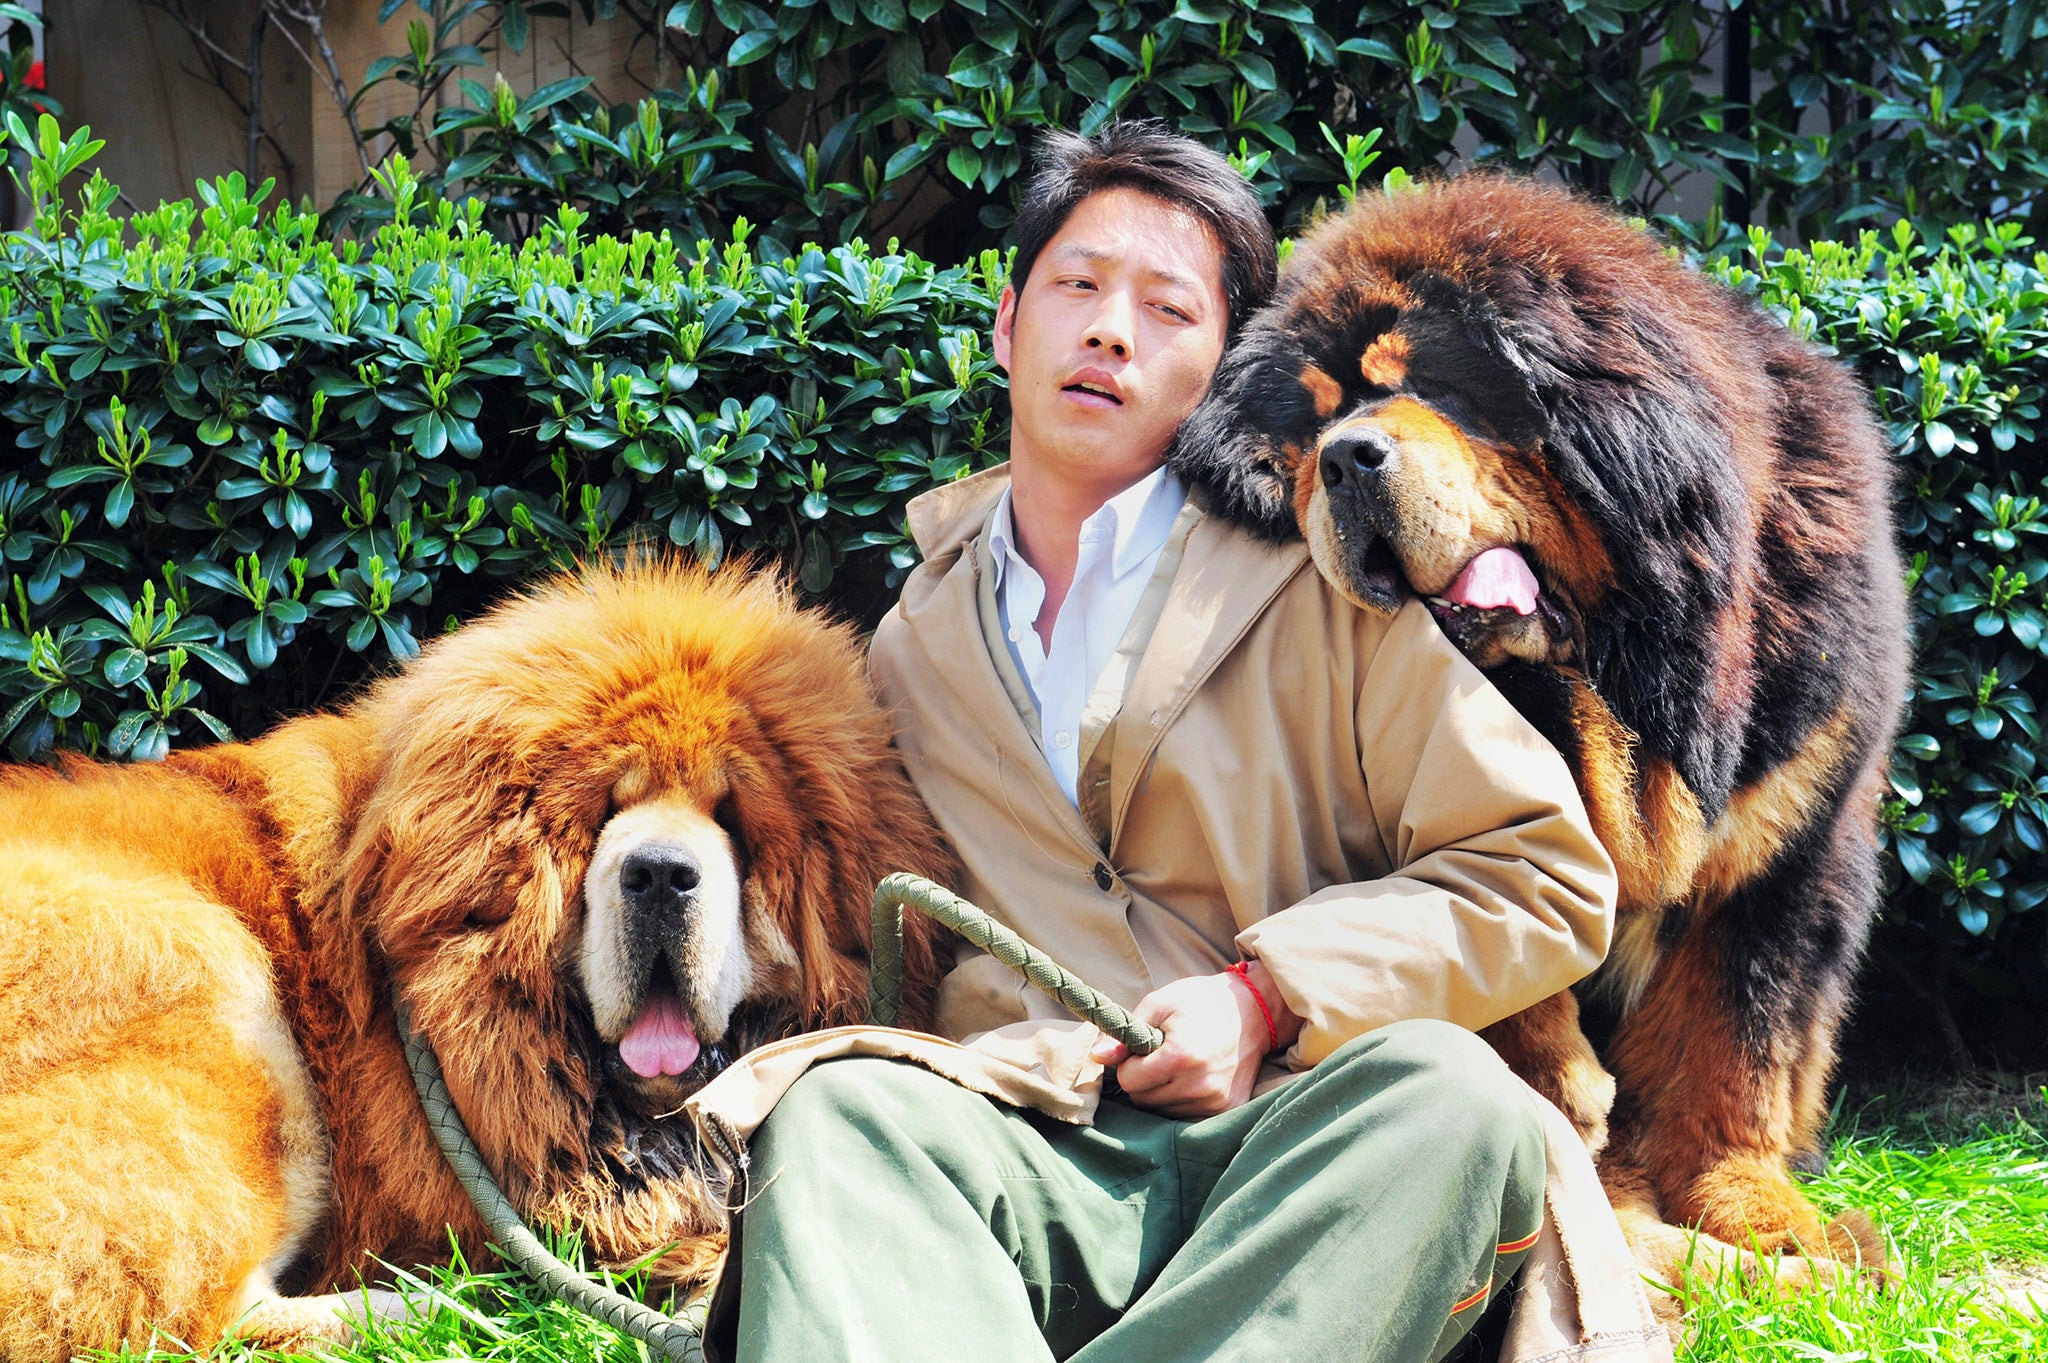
x=1498, y=577
x=661, y=1040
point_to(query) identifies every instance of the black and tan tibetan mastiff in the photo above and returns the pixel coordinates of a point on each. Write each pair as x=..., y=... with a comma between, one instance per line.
x=1660, y=523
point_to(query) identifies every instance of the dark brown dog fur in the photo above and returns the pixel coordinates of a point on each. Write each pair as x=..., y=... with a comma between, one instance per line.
x=1719, y=646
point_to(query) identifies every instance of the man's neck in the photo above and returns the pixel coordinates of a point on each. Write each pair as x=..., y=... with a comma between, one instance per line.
x=1047, y=515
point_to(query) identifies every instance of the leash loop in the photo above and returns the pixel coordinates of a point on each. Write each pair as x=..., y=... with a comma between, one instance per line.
x=677, y=1339
x=680, y=1340
x=885, y=972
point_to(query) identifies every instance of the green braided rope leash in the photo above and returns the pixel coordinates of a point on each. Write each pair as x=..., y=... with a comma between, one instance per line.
x=678, y=1339
x=681, y=1339
x=885, y=972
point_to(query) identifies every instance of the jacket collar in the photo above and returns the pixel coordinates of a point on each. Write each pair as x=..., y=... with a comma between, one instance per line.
x=943, y=520
x=1225, y=583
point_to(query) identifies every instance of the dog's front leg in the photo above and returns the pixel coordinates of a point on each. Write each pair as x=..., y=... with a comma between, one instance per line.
x=1545, y=1046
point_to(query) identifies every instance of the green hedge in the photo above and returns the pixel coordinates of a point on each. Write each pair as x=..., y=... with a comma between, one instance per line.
x=250, y=463
x=827, y=118
x=1954, y=339
x=246, y=454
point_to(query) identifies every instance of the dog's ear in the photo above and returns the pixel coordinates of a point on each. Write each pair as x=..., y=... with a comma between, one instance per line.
x=462, y=871
x=1235, y=444
x=458, y=835
x=1642, y=452
x=825, y=812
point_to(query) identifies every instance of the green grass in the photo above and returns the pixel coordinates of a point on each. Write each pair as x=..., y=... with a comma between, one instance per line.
x=1959, y=1186
x=1957, y=1181
x=467, y=1315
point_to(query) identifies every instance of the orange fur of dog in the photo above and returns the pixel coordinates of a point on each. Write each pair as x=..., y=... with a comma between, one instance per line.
x=203, y=1102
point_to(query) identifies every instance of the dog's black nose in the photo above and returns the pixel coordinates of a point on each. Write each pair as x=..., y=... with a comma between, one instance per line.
x=1357, y=452
x=656, y=878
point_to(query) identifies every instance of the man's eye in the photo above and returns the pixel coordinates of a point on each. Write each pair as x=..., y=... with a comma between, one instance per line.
x=1175, y=313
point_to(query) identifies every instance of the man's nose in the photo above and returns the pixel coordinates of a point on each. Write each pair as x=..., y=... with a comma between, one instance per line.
x=1110, y=328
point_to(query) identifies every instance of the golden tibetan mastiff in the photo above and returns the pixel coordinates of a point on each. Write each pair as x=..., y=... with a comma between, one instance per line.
x=1660, y=524
x=601, y=841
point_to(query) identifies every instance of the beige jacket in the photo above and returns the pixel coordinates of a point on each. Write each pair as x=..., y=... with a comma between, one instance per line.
x=1338, y=793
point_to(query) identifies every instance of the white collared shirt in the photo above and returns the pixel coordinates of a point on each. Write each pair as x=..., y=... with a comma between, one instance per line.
x=1120, y=546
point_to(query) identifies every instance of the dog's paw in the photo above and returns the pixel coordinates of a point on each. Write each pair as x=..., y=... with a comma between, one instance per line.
x=1585, y=1098
x=336, y=1318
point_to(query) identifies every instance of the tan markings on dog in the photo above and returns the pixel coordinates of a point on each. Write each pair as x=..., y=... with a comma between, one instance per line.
x=1385, y=362
x=1677, y=824
x=1650, y=824
x=1324, y=391
x=1607, y=780
x=1546, y=1047
x=1319, y=529
x=1305, y=482
x=1454, y=498
x=1631, y=957
x=1645, y=815
x=1813, y=1073
x=1765, y=813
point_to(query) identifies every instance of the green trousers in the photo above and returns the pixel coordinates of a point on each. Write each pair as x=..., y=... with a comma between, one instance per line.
x=1368, y=1210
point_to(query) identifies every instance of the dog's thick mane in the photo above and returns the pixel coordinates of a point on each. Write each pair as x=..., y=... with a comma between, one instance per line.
x=434, y=836
x=1638, y=383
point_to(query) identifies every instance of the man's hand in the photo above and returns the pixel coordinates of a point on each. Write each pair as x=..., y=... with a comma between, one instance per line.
x=1215, y=1038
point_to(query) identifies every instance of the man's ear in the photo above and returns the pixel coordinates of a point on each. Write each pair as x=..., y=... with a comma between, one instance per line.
x=1006, y=323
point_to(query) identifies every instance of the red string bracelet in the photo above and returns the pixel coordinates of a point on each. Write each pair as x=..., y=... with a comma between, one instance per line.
x=1242, y=969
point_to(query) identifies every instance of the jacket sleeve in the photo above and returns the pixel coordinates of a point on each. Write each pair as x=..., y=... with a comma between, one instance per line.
x=1499, y=896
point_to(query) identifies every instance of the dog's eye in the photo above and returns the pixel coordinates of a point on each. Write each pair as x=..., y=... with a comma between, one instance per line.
x=726, y=815
x=488, y=913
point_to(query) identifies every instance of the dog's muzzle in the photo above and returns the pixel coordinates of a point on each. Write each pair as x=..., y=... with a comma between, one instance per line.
x=659, y=886
x=1355, y=463
x=1355, y=466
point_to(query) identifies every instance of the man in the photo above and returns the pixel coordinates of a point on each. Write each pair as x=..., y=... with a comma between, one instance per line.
x=1312, y=841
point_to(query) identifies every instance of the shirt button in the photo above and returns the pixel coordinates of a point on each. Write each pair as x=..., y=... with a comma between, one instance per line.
x=1063, y=739
x=1104, y=877
x=1016, y=634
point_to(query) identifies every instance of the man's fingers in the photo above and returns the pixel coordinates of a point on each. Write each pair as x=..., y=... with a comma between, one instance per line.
x=1175, y=1079
x=1140, y=1074
x=1137, y=1073
x=1185, y=1095
x=1108, y=1051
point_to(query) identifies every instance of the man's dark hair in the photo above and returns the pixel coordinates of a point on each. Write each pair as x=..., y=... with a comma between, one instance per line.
x=1143, y=155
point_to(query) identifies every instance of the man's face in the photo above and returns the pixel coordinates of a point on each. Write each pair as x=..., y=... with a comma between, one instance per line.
x=1113, y=341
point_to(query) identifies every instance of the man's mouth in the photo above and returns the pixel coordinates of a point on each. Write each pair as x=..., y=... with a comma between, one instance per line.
x=1094, y=393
